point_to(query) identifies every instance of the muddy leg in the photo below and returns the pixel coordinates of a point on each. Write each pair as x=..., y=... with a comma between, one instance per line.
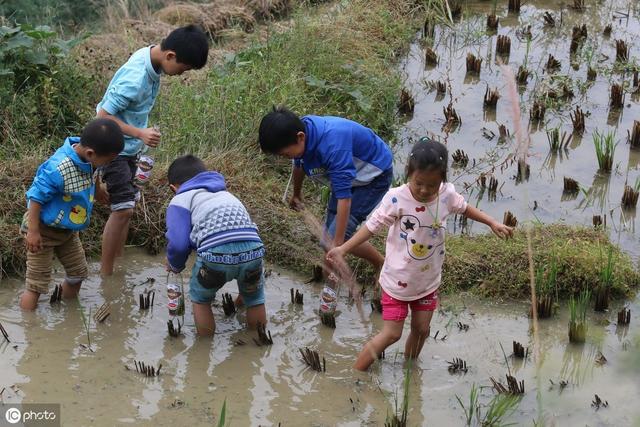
x=203, y=316
x=391, y=333
x=420, y=321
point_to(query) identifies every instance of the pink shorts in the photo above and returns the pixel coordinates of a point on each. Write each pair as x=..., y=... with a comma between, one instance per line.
x=395, y=309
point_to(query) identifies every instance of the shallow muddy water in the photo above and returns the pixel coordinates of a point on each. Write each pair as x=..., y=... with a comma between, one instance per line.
x=539, y=199
x=48, y=361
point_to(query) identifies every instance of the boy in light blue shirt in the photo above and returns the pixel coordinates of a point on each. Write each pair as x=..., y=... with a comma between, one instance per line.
x=128, y=101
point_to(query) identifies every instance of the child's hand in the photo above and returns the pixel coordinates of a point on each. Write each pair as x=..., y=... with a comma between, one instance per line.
x=150, y=137
x=335, y=255
x=102, y=195
x=501, y=230
x=34, y=241
x=296, y=203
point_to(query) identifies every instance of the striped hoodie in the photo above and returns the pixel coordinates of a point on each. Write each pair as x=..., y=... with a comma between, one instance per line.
x=203, y=215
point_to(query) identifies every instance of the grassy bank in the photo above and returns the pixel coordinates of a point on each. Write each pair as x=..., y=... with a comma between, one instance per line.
x=331, y=61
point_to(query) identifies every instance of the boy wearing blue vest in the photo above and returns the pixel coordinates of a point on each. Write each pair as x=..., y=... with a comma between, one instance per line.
x=355, y=162
x=60, y=201
x=128, y=101
x=205, y=217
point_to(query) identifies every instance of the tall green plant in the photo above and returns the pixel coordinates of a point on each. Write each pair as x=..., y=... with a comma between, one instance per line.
x=578, y=316
x=605, y=146
x=493, y=414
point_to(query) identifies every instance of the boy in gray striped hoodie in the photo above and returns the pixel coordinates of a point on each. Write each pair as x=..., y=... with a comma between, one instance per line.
x=203, y=216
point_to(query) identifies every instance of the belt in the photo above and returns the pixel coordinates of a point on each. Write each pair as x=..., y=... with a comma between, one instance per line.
x=232, y=259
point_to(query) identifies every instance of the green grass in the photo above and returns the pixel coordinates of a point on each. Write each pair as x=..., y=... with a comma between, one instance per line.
x=491, y=267
x=493, y=414
x=605, y=146
x=578, y=307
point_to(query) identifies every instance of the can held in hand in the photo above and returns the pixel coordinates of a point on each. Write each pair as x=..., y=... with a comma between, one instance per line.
x=175, y=299
x=143, y=173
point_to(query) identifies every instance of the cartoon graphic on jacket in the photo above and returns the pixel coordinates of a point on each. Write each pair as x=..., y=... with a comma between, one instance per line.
x=415, y=242
x=343, y=153
x=203, y=215
x=65, y=188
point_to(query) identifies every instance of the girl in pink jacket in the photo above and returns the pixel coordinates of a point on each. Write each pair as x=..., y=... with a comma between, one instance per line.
x=415, y=214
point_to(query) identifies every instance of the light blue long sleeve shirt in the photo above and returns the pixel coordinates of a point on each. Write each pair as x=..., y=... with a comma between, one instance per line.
x=131, y=94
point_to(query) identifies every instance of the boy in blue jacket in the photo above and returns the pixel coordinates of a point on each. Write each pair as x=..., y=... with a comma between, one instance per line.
x=128, y=101
x=60, y=201
x=351, y=158
x=204, y=216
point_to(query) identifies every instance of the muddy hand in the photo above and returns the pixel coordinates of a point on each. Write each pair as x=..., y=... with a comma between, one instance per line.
x=501, y=230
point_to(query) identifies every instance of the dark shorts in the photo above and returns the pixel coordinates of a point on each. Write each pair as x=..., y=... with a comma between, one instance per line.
x=119, y=175
x=364, y=200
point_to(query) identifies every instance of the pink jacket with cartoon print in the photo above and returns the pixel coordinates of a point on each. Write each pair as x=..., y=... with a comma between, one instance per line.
x=415, y=242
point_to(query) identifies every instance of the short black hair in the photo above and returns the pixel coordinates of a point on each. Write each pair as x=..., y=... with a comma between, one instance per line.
x=279, y=129
x=428, y=155
x=190, y=44
x=103, y=136
x=184, y=168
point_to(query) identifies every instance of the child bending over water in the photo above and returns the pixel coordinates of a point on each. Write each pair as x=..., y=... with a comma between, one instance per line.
x=415, y=214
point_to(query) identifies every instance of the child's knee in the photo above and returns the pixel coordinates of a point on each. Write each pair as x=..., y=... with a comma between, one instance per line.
x=392, y=336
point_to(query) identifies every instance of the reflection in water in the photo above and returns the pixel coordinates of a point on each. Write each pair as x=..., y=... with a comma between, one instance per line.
x=452, y=47
x=271, y=385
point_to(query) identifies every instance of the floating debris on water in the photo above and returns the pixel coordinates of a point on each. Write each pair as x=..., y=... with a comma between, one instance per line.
x=577, y=119
x=630, y=197
x=599, y=403
x=174, y=330
x=536, y=114
x=146, y=370
x=264, y=336
x=622, y=51
x=571, y=188
x=624, y=316
x=297, y=298
x=474, y=64
x=435, y=337
x=146, y=301
x=460, y=158
x=457, y=365
x=606, y=31
x=492, y=22
x=513, y=386
x=549, y=19
x=552, y=64
x=634, y=135
x=312, y=359
x=407, y=103
x=503, y=45
x=430, y=57
x=519, y=350
x=5, y=335
x=600, y=359
x=616, y=98
x=597, y=221
x=329, y=319
x=491, y=97
x=228, y=306
x=102, y=313
x=463, y=326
